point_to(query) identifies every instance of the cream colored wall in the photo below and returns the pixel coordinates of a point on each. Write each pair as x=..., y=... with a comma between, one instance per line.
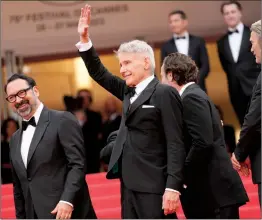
x=56, y=78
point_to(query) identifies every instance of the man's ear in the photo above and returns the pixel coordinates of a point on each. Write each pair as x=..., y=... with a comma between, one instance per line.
x=169, y=77
x=36, y=91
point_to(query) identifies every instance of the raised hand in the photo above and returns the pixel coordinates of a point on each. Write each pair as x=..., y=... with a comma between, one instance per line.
x=84, y=22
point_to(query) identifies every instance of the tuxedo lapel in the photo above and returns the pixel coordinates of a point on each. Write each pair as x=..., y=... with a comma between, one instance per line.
x=39, y=132
x=173, y=45
x=143, y=97
x=244, y=42
x=228, y=50
x=190, y=46
x=18, y=155
x=126, y=102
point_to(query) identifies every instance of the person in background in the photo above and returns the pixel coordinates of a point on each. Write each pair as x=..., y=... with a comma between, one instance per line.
x=229, y=133
x=112, y=119
x=184, y=42
x=92, y=130
x=213, y=188
x=9, y=127
x=249, y=143
x=236, y=58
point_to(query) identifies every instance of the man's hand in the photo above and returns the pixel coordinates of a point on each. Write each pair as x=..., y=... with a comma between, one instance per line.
x=243, y=168
x=84, y=22
x=235, y=162
x=62, y=211
x=170, y=202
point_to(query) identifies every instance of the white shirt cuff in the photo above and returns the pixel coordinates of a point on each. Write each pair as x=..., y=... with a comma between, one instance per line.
x=82, y=47
x=172, y=190
x=68, y=203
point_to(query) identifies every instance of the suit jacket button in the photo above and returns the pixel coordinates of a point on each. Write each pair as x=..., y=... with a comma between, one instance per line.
x=29, y=179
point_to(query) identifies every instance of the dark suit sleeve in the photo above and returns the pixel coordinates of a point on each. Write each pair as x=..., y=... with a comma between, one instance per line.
x=171, y=113
x=71, y=139
x=18, y=193
x=106, y=152
x=204, y=61
x=251, y=129
x=101, y=75
x=197, y=117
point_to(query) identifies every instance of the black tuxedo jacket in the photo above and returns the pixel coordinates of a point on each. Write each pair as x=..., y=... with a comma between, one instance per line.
x=249, y=143
x=207, y=162
x=197, y=51
x=149, y=151
x=245, y=71
x=55, y=168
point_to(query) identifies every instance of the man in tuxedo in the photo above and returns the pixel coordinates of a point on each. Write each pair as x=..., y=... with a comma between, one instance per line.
x=47, y=158
x=236, y=58
x=186, y=43
x=213, y=188
x=149, y=152
x=249, y=143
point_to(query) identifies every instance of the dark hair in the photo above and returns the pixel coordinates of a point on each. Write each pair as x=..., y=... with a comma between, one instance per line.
x=178, y=12
x=4, y=127
x=182, y=67
x=87, y=91
x=30, y=81
x=239, y=6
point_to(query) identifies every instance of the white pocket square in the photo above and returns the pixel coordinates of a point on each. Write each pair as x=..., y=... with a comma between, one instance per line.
x=148, y=106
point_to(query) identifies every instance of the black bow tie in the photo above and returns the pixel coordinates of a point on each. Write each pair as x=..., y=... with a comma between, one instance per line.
x=26, y=123
x=231, y=32
x=132, y=91
x=178, y=38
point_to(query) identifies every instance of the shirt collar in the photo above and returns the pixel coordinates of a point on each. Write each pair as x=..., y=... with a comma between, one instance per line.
x=143, y=84
x=37, y=113
x=239, y=27
x=184, y=88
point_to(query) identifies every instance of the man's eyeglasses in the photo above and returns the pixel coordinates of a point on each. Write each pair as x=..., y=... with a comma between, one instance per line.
x=20, y=94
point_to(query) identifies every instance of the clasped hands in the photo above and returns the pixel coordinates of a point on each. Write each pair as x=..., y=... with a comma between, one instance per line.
x=170, y=202
x=243, y=167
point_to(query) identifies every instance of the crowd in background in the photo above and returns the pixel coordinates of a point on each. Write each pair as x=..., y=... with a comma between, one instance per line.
x=236, y=59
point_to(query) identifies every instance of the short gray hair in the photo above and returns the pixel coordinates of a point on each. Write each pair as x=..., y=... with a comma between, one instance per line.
x=256, y=27
x=138, y=46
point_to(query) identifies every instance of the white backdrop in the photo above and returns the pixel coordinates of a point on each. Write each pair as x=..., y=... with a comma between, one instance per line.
x=36, y=28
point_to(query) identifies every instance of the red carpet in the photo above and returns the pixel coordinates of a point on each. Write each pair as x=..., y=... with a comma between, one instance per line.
x=105, y=195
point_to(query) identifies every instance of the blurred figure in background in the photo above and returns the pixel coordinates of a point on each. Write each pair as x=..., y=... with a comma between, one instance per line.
x=249, y=143
x=187, y=44
x=112, y=119
x=9, y=127
x=236, y=58
x=229, y=133
x=92, y=130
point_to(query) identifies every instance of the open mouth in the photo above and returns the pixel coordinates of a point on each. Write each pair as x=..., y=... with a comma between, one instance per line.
x=23, y=107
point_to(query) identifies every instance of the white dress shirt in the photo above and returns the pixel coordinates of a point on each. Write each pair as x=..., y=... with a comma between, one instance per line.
x=27, y=137
x=235, y=40
x=184, y=88
x=182, y=45
x=139, y=88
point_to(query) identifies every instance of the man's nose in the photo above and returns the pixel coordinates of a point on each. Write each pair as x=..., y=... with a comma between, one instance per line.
x=18, y=99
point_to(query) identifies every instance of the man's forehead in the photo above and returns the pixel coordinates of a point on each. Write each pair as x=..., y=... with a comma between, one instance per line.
x=16, y=86
x=129, y=56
